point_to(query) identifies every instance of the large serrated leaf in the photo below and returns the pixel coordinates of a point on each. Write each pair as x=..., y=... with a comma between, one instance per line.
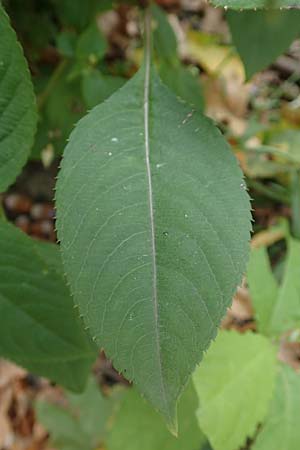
x=17, y=105
x=235, y=385
x=154, y=220
x=281, y=428
x=38, y=326
x=261, y=36
x=253, y=4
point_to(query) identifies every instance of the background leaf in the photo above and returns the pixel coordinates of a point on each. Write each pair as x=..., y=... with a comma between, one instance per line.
x=105, y=221
x=164, y=38
x=261, y=36
x=234, y=383
x=82, y=424
x=183, y=83
x=91, y=44
x=173, y=73
x=286, y=312
x=63, y=108
x=263, y=287
x=17, y=105
x=78, y=14
x=137, y=426
x=97, y=87
x=281, y=428
x=39, y=328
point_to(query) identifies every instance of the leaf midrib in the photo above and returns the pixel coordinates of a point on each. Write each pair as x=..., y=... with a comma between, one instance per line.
x=147, y=63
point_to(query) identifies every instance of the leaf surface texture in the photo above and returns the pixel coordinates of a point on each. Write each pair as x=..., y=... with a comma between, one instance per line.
x=154, y=220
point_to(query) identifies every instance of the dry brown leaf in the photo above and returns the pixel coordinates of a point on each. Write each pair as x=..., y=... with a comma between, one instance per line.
x=218, y=108
x=241, y=307
x=9, y=372
x=267, y=237
x=289, y=353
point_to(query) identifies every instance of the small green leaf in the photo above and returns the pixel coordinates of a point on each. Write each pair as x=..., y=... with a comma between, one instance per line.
x=66, y=43
x=172, y=72
x=61, y=110
x=18, y=115
x=147, y=197
x=261, y=36
x=137, y=426
x=235, y=384
x=165, y=42
x=78, y=14
x=286, y=312
x=97, y=87
x=94, y=410
x=64, y=429
x=82, y=425
x=91, y=44
x=263, y=288
x=281, y=428
x=38, y=325
x=183, y=83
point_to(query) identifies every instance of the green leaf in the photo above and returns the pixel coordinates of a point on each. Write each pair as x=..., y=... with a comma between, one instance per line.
x=286, y=313
x=281, y=428
x=234, y=384
x=263, y=287
x=38, y=325
x=176, y=76
x=94, y=410
x=66, y=43
x=165, y=42
x=286, y=142
x=64, y=428
x=261, y=36
x=62, y=109
x=78, y=14
x=252, y=4
x=91, y=44
x=183, y=83
x=17, y=105
x=97, y=87
x=137, y=426
x=83, y=424
x=146, y=200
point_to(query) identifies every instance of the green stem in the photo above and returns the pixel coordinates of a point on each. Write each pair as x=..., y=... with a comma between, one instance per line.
x=42, y=98
x=278, y=196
